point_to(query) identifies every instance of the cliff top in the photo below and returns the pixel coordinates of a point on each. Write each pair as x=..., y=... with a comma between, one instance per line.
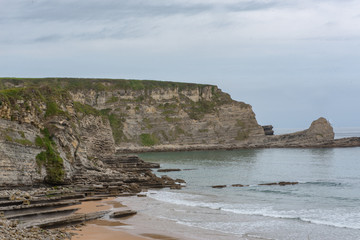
x=97, y=84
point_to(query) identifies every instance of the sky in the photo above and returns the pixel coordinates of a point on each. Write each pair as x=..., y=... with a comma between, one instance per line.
x=292, y=60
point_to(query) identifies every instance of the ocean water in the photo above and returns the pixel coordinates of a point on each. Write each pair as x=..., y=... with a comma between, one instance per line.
x=347, y=132
x=324, y=205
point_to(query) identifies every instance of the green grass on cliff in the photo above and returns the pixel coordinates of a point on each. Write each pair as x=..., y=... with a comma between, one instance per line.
x=200, y=108
x=33, y=98
x=148, y=139
x=86, y=109
x=94, y=84
x=117, y=125
x=54, y=91
x=115, y=120
x=50, y=158
x=52, y=109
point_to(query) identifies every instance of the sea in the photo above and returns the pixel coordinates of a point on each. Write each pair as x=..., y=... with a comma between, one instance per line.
x=324, y=204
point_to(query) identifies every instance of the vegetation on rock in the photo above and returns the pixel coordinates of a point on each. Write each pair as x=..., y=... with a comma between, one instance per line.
x=95, y=84
x=140, y=112
x=116, y=123
x=86, y=109
x=198, y=109
x=148, y=139
x=50, y=159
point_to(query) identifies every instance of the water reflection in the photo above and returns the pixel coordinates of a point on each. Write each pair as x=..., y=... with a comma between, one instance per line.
x=209, y=158
x=322, y=154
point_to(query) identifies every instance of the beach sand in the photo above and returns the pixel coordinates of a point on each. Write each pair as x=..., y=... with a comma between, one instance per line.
x=98, y=232
x=101, y=229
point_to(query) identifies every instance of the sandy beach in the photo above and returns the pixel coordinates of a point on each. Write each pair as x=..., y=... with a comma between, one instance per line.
x=92, y=231
x=104, y=229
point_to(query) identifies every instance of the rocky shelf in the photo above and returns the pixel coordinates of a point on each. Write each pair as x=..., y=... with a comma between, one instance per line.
x=56, y=208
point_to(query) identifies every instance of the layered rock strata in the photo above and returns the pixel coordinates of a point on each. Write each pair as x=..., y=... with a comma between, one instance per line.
x=63, y=131
x=26, y=214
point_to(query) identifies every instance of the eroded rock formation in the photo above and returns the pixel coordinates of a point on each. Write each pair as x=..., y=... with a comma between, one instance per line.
x=63, y=131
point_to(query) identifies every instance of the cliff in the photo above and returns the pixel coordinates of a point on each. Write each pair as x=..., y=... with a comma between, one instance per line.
x=138, y=114
x=68, y=130
x=58, y=130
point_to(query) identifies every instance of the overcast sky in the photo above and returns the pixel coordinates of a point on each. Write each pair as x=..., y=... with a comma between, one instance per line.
x=292, y=60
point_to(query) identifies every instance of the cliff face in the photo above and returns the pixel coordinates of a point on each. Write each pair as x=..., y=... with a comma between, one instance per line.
x=18, y=154
x=72, y=130
x=62, y=126
x=172, y=117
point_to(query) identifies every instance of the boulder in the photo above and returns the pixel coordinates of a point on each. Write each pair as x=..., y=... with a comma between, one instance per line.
x=219, y=186
x=239, y=185
x=169, y=170
x=124, y=213
x=321, y=129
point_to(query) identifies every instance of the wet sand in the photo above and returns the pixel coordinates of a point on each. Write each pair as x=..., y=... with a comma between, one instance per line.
x=93, y=206
x=101, y=229
x=97, y=232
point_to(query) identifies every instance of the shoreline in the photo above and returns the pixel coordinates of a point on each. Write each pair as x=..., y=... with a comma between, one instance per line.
x=139, y=227
x=106, y=229
x=93, y=231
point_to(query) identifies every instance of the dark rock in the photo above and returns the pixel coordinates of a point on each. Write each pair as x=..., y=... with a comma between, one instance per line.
x=169, y=170
x=218, y=186
x=268, y=129
x=178, y=180
x=239, y=185
x=175, y=186
x=134, y=187
x=95, y=215
x=288, y=183
x=279, y=183
x=121, y=214
x=268, y=184
x=167, y=179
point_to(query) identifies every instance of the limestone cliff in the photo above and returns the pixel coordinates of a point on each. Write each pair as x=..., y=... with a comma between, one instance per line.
x=141, y=115
x=65, y=130
x=54, y=128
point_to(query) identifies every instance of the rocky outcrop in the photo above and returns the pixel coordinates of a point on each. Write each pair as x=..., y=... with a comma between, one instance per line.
x=268, y=129
x=319, y=134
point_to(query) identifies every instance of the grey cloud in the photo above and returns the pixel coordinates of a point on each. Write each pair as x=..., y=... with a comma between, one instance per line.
x=334, y=38
x=94, y=10
x=97, y=10
x=251, y=6
x=48, y=38
x=107, y=33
